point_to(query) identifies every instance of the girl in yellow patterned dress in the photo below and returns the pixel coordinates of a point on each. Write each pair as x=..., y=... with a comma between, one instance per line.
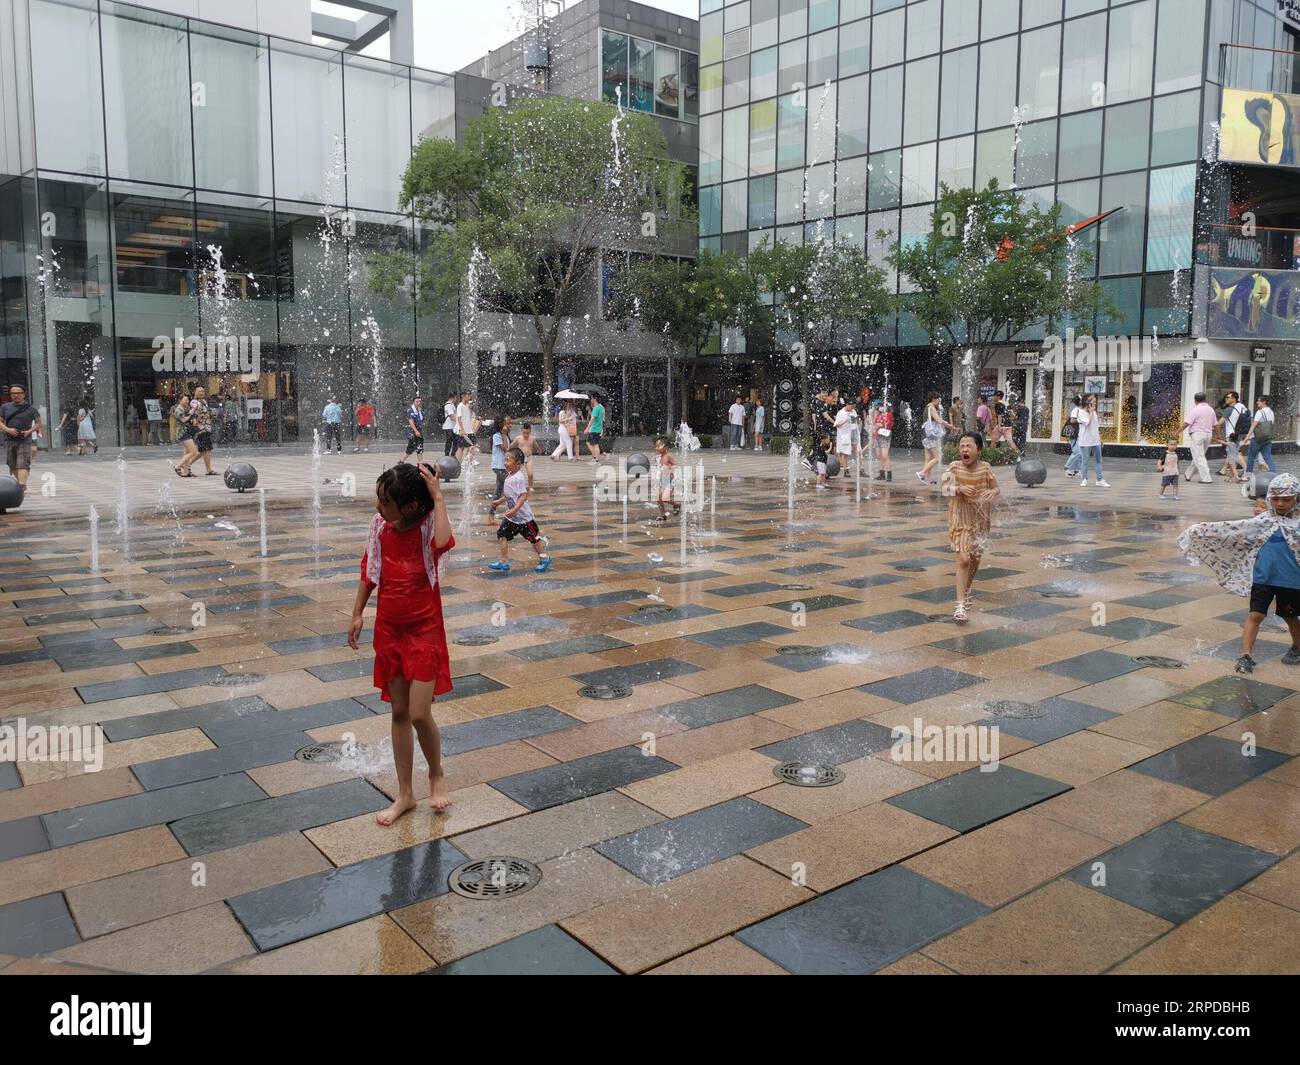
x=972, y=490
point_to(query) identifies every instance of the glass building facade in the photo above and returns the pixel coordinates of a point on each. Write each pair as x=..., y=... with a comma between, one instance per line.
x=169, y=174
x=840, y=119
x=644, y=76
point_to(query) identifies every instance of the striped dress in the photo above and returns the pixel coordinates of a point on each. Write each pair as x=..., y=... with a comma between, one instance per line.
x=969, y=519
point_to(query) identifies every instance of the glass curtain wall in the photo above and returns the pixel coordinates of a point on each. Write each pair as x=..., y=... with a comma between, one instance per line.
x=223, y=184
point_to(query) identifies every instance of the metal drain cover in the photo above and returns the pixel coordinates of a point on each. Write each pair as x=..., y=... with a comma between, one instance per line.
x=480, y=640
x=809, y=774
x=1010, y=708
x=655, y=608
x=1060, y=593
x=237, y=680
x=802, y=651
x=331, y=751
x=494, y=877
x=605, y=691
x=1159, y=661
x=796, y=587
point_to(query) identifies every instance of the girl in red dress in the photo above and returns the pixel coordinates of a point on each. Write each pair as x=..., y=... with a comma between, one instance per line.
x=407, y=537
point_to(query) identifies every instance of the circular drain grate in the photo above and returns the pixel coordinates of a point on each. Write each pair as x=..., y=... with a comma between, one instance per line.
x=494, y=877
x=809, y=774
x=237, y=680
x=1060, y=593
x=655, y=608
x=796, y=587
x=1159, y=661
x=173, y=630
x=1009, y=708
x=321, y=752
x=479, y=640
x=802, y=651
x=605, y=691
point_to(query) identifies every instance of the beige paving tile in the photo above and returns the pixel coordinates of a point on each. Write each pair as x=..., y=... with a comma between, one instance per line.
x=73, y=711
x=66, y=794
x=866, y=780
x=826, y=710
x=1288, y=773
x=1160, y=725
x=850, y=845
x=188, y=942
x=1263, y=814
x=473, y=767
x=1122, y=694
x=595, y=737
x=1239, y=935
x=282, y=778
x=48, y=966
x=373, y=947
x=1060, y=929
x=1079, y=757
x=710, y=681
x=450, y=927
x=711, y=741
x=1280, y=884
x=148, y=894
x=724, y=957
x=704, y=784
x=914, y=965
x=648, y=927
x=996, y=863
x=1122, y=806
x=119, y=755
x=1277, y=730
x=559, y=830
x=83, y=863
x=643, y=697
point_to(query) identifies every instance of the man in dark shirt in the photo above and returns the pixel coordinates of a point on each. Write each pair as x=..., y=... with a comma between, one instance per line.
x=20, y=423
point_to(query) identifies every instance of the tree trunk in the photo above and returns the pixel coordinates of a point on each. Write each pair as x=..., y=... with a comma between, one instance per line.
x=548, y=374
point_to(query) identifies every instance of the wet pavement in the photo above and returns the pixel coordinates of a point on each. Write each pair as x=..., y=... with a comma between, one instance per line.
x=1138, y=818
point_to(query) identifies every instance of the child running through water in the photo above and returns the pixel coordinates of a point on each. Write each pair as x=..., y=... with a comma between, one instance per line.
x=518, y=519
x=1259, y=557
x=1168, y=468
x=407, y=537
x=972, y=488
x=667, y=475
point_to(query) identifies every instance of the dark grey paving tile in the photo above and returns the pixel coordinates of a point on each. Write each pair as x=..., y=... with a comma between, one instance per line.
x=1155, y=600
x=504, y=728
x=254, y=728
x=515, y=626
x=37, y=926
x=26, y=835
x=351, y=670
x=548, y=951
x=285, y=913
x=59, y=599
x=923, y=684
x=17, y=658
x=96, y=635
x=1131, y=628
x=9, y=776
x=752, y=588
x=114, y=816
x=815, y=602
x=748, y=560
x=150, y=684
x=1237, y=617
x=1264, y=651
x=921, y=562
x=862, y=926
x=59, y=617
x=1095, y=666
x=1234, y=696
x=130, y=728
x=625, y=595
x=1057, y=717
x=943, y=594
x=219, y=591
x=253, y=606
x=258, y=817
x=580, y=645
x=739, y=634
x=672, y=848
x=1210, y=764
x=469, y=606
x=888, y=622
x=1174, y=871
x=564, y=782
x=724, y=705
x=690, y=576
x=220, y=761
x=968, y=800
x=1029, y=611
x=82, y=656
x=311, y=643
x=639, y=672
x=681, y=613
x=984, y=642
x=808, y=569
x=835, y=744
x=993, y=573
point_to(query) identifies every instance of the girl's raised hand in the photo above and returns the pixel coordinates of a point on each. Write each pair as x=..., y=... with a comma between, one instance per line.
x=431, y=480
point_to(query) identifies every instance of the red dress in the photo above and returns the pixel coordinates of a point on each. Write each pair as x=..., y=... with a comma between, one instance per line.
x=409, y=638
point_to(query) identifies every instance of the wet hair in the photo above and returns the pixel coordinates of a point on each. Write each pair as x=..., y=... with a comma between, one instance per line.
x=402, y=485
x=932, y=397
x=979, y=440
x=517, y=454
x=527, y=425
x=663, y=440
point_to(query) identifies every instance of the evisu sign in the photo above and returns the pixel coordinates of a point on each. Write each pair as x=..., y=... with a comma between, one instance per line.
x=1289, y=12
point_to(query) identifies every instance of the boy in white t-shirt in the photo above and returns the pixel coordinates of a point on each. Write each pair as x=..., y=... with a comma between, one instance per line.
x=845, y=422
x=736, y=420
x=518, y=518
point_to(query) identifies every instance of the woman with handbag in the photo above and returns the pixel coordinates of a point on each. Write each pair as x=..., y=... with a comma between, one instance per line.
x=568, y=421
x=1071, y=433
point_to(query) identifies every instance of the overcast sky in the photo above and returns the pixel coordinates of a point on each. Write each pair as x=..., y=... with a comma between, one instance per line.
x=452, y=33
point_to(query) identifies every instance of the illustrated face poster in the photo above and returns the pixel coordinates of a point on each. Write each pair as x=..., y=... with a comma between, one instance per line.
x=1260, y=128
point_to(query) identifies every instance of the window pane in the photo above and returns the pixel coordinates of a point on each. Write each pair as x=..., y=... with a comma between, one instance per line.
x=923, y=29
x=823, y=54
x=736, y=17
x=821, y=191
x=641, y=75
x=762, y=74
x=790, y=133
x=794, y=64
x=710, y=149
x=961, y=24
x=855, y=48
x=957, y=162
x=1078, y=200
x=918, y=173
x=734, y=205
x=957, y=97
x=1040, y=72
x=794, y=19
x=710, y=89
x=999, y=17
x=854, y=96
x=378, y=96
x=1177, y=65
x=735, y=82
x=1174, y=128
x=613, y=62
x=711, y=38
x=1081, y=139
x=668, y=83
x=1122, y=234
x=886, y=119
x=762, y=137
x=822, y=14
x=1083, y=69
x=1127, y=134
x=1037, y=12
x=762, y=23
x=821, y=123
x=887, y=39
x=789, y=197
x=690, y=85
x=711, y=211
x=993, y=157
x=1169, y=230
x=68, y=98
x=851, y=186
x=998, y=83
x=762, y=202
x=1128, y=71
x=232, y=131
x=1036, y=156
x=735, y=144
x=308, y=156
x=1126, y=294
x=921, y=117
x=884, y=180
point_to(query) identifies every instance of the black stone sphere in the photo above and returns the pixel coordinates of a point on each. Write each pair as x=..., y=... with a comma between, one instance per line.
x=832, y=466
x=1257, y=485
x=241, y=476
x=638, y=461
x=11, y=494
x=1030, y=472
x=448, y=468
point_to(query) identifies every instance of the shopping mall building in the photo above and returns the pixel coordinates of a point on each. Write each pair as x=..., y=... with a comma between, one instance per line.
x=841, y=118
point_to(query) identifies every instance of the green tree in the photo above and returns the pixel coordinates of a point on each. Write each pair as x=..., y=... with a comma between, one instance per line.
x=990, y=267
x=528, y=198
x=817, y=288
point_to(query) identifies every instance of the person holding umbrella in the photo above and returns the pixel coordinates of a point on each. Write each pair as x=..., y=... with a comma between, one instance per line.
x=568, y=422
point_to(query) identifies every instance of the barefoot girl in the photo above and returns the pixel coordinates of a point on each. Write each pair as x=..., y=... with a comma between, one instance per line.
x=972, y=488
x=407, y=536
